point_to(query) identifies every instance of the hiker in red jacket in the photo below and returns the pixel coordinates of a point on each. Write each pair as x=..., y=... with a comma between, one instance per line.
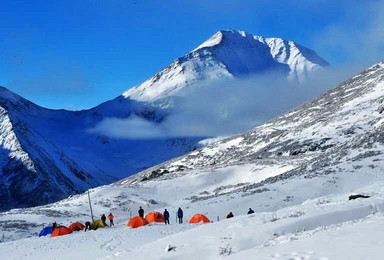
x=110, y=217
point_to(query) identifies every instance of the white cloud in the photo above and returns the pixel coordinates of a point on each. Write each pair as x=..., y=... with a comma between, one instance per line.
x=221, y=108
x=133, y=127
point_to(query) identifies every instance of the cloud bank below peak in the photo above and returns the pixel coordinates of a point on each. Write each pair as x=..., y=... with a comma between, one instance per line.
x=223, y=107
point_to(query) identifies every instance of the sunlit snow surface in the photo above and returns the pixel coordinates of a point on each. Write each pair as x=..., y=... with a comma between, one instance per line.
x=325, y=227
x=296, y=171
x=228, y=54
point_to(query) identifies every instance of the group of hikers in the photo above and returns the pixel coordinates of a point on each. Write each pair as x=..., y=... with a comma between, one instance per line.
x=103, y=218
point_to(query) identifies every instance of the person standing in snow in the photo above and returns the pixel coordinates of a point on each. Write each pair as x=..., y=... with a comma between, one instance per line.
x=180, y=215
x=110, y=217
x=166, y=217
x=250, y=211
x=141, y=212
x=104, y=218
x=230, y=215
x=54, y=225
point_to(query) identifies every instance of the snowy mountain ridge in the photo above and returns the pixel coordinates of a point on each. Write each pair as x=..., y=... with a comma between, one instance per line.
x=228, y=54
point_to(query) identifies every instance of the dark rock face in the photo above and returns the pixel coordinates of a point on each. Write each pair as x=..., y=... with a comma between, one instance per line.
x=357, y=196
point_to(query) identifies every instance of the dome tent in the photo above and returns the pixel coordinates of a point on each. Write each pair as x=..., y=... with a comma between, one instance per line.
x=199, y=218
x=137, y=221
x=61, y=231
x=97, y=224
x=46, y=231
x=154, y=217
x=77, y=226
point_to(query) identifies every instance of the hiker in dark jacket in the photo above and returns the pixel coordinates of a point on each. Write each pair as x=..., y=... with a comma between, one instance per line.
x=230, y=215
x=87, y=226
x=250, y=211
x=141, y=212
x=54, y=225
x=166, y=216
x=180, y=215
x=104, y=218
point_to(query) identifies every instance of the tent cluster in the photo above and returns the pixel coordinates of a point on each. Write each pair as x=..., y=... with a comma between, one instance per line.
x=62, y=230
x=134, y=222
x=151, y=217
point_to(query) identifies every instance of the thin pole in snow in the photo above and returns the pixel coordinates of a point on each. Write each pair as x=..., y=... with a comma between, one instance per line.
x=90, y=206
x=89, y=197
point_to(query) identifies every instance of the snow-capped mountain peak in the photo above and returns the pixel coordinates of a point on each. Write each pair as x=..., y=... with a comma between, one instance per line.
x=229, y=54
x=213, y=41
x=236, y=37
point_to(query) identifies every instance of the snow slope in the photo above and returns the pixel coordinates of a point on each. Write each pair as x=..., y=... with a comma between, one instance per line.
x=296, y=171
x=228, y=54
x=327, y=227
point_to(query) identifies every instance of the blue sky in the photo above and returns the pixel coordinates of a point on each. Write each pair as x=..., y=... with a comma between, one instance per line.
x=78, y=54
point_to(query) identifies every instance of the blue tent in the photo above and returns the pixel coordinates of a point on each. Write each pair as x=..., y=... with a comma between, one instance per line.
x=46, y=231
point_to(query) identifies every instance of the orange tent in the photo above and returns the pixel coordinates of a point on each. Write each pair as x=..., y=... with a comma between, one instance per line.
x=137, y=221
x=154, y=217
x=61, y=231
x=199, y=218
x=77, y=226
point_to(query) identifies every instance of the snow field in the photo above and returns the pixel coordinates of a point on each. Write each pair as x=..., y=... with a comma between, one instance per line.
x=281, y=228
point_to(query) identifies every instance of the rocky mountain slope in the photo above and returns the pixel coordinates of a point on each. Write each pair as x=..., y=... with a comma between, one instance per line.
x=47, y=155
x=343, y=125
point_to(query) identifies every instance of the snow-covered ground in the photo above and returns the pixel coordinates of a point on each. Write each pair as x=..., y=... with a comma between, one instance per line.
x=296, y=172
x=288, y=227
